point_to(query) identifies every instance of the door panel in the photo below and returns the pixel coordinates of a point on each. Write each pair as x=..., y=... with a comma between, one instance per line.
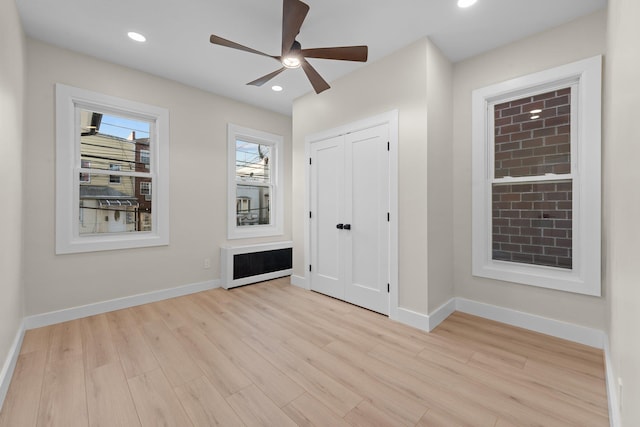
x=327, y=194
x=367, y=204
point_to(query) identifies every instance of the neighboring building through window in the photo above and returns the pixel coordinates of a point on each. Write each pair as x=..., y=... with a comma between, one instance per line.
x=100, y=140
x=536, y=179
x=255, y=180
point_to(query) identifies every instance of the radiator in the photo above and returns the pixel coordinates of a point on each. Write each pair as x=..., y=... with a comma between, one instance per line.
x=241, y=265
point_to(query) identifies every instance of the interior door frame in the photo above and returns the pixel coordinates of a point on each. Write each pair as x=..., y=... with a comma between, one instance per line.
x=391, y=119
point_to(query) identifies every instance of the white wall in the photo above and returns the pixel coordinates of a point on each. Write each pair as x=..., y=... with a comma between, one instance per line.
x=576, y=40
x=11, y=154
x=439, y=172
x=198, y=188
x=622, y=199
x=398, y=81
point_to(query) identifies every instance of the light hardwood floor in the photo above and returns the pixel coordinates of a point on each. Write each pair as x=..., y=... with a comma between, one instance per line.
x=271, y=354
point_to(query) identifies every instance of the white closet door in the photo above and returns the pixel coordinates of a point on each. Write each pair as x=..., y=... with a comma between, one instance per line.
x=349, y=226
x=327, y=207
x=367, y=205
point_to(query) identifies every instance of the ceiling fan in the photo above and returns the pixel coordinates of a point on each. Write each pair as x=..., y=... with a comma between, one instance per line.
x=293, y=56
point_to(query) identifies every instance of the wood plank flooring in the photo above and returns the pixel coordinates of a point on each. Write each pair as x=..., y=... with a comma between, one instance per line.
x=271, y=354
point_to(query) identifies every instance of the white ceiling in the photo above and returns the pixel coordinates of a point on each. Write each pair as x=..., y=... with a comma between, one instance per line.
x=178, y=33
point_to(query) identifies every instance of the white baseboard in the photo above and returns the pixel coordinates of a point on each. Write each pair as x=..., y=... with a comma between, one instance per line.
x=612, y=387
x=441, y=313
x=10, y=363
x=412, y=318
x=425, y=322
x=299, y=281
x=53, y=317
x=568, y=331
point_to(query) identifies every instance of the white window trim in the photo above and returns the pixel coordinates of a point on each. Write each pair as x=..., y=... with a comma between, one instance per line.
x=275, y=142
x=584, y=277
x=68, y=239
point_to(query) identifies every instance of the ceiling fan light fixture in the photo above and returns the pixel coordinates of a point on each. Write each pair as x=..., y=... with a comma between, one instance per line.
x=291, y=62
x=466, y=3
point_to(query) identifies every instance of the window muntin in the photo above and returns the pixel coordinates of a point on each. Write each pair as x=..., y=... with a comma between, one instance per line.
x=99, y=140
x=255, y=178
x=536, y=185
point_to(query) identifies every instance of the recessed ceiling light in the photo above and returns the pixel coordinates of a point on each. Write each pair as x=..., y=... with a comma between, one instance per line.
x=136, y=36
x=466, y=3
x=276, y=88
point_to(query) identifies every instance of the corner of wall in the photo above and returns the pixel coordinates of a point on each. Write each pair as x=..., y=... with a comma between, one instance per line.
x=439, y=177
x=12, y=111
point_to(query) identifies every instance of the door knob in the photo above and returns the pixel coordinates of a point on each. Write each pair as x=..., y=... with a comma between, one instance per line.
x=347, y=226
x=340, y=226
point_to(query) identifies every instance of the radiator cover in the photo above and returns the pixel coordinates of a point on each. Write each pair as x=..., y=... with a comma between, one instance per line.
x=242, y=265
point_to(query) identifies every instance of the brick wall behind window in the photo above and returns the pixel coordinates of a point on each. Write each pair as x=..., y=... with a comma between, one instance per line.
x=532, y=223
x=529, y=147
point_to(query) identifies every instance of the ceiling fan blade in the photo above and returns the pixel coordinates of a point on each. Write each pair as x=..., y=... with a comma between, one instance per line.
x=228, y=43
x=346, y=53
x=318, y=83
x=293, y=14
x=262, y=80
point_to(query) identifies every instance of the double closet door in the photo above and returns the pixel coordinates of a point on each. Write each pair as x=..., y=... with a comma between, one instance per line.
x=349, y=219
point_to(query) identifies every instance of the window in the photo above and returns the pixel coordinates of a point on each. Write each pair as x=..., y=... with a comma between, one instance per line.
x=255, y=205
x=85, y=178
x=145, y=159
x=536, y=179
x=145, y=188
x=114, y=179
x=97, y=140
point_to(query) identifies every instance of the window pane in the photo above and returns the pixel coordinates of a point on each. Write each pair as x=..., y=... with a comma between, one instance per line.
x=252, y=162
x=107, y=141
x=532, y=223
x=107, y=207
x=532, y=135
x=252, y=205
x=111, y=202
